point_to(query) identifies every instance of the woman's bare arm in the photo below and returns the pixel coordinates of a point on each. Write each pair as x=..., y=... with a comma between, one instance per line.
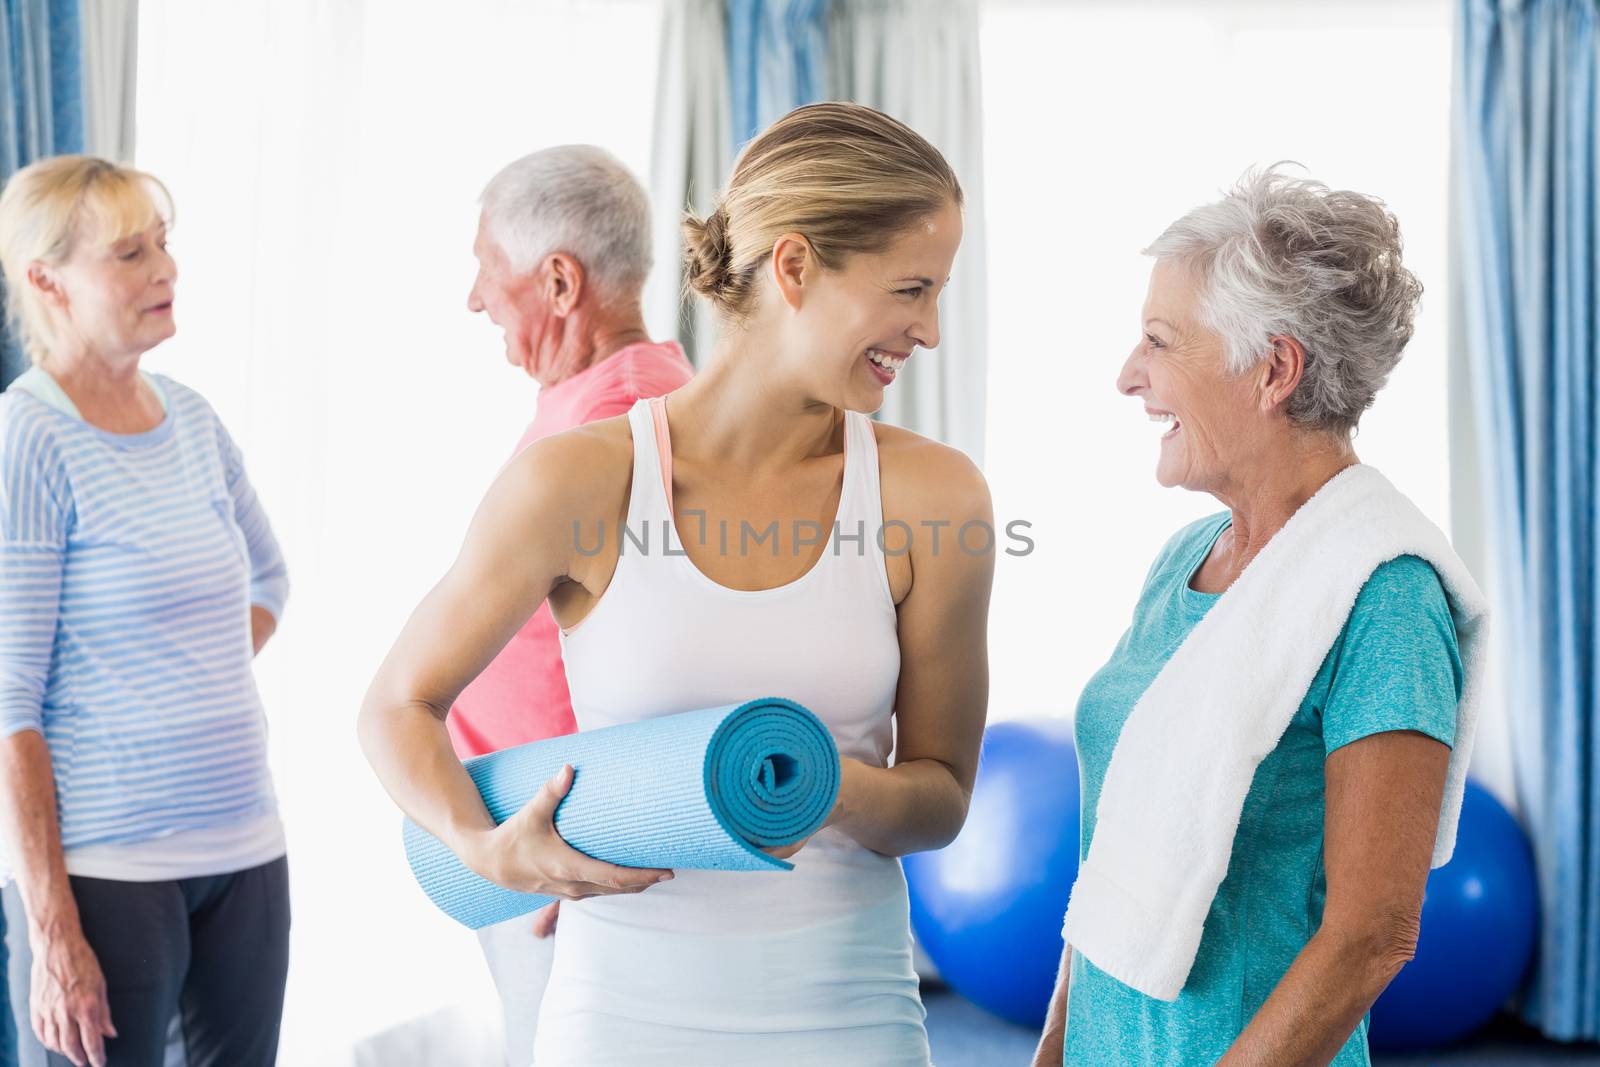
x=68, y=1004
x=1053, y=1042
x=943, y=697
x=518, y=547
x=1383, y=797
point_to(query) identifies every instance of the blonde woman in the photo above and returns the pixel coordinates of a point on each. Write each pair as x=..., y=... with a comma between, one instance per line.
x=138, y=576
x=826, y=258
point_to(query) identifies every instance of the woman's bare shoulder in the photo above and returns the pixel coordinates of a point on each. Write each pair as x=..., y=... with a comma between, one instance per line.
x=585, y=469
x=919, y=473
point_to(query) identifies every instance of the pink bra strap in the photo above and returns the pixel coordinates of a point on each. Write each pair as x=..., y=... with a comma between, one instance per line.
x=658, y=415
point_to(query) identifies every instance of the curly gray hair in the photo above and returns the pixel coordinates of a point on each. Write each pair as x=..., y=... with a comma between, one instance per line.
x=1284, y=256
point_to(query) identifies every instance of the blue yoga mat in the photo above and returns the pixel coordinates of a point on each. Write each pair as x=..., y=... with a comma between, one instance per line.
x=701, y=790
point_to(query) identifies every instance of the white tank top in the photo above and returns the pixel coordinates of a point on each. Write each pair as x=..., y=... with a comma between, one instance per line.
x=803, y=966
x=665, y=638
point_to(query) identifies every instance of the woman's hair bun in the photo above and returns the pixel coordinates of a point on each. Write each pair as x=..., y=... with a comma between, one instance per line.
x=706, y=253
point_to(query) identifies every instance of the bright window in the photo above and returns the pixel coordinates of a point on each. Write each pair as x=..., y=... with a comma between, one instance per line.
x=1103, y=122
x=326, y=160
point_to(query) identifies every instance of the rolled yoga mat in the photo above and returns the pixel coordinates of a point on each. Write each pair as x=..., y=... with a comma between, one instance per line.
x=699, y=790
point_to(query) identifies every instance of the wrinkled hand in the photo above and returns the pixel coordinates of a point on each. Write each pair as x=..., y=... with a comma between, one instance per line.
x=526, y=853
x=67, y=1000
x=544, y=920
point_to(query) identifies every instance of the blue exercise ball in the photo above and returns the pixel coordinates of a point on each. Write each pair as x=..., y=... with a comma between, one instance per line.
x=988, y=906
x=1479, y=922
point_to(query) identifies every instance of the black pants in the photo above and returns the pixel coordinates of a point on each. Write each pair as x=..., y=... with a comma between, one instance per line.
x=213, y=950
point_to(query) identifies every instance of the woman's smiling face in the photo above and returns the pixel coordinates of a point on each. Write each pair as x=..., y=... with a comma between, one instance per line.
x=854, y=327
x=1179, y=370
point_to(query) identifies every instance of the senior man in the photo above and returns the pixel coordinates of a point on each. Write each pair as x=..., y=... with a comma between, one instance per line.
x=563, y=248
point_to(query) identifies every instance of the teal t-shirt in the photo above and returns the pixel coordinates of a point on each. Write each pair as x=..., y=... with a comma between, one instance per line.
x=1395, y=666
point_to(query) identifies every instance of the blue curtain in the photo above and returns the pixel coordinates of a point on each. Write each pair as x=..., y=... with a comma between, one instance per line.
x=41, y=103
x=41, y=114
x=777, y=60
x=1526, y=167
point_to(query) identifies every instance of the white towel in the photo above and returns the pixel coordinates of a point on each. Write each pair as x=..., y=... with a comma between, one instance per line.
x=1187, y=754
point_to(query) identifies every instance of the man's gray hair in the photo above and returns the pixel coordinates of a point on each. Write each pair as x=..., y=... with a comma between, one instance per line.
x=578, y=199
x=1284, y=256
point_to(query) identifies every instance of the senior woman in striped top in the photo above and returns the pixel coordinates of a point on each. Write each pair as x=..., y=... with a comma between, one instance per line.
x=138, y=576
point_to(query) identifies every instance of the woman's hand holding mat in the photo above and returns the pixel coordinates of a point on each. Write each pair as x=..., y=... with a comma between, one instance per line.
x=702, y=790
x=526, y=853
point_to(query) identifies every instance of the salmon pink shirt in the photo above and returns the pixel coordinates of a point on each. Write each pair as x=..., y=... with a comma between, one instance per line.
x=522, y=695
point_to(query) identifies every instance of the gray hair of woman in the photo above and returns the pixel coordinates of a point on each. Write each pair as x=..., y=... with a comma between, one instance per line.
x=1284, y=256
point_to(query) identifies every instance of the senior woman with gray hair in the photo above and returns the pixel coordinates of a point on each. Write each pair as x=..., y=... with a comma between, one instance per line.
x=1273, y=755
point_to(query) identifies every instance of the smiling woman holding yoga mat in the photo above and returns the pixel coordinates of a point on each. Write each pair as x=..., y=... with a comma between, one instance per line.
x=796, y=566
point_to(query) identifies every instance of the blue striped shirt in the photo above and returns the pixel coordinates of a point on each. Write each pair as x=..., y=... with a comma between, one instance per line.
x=128, y=564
